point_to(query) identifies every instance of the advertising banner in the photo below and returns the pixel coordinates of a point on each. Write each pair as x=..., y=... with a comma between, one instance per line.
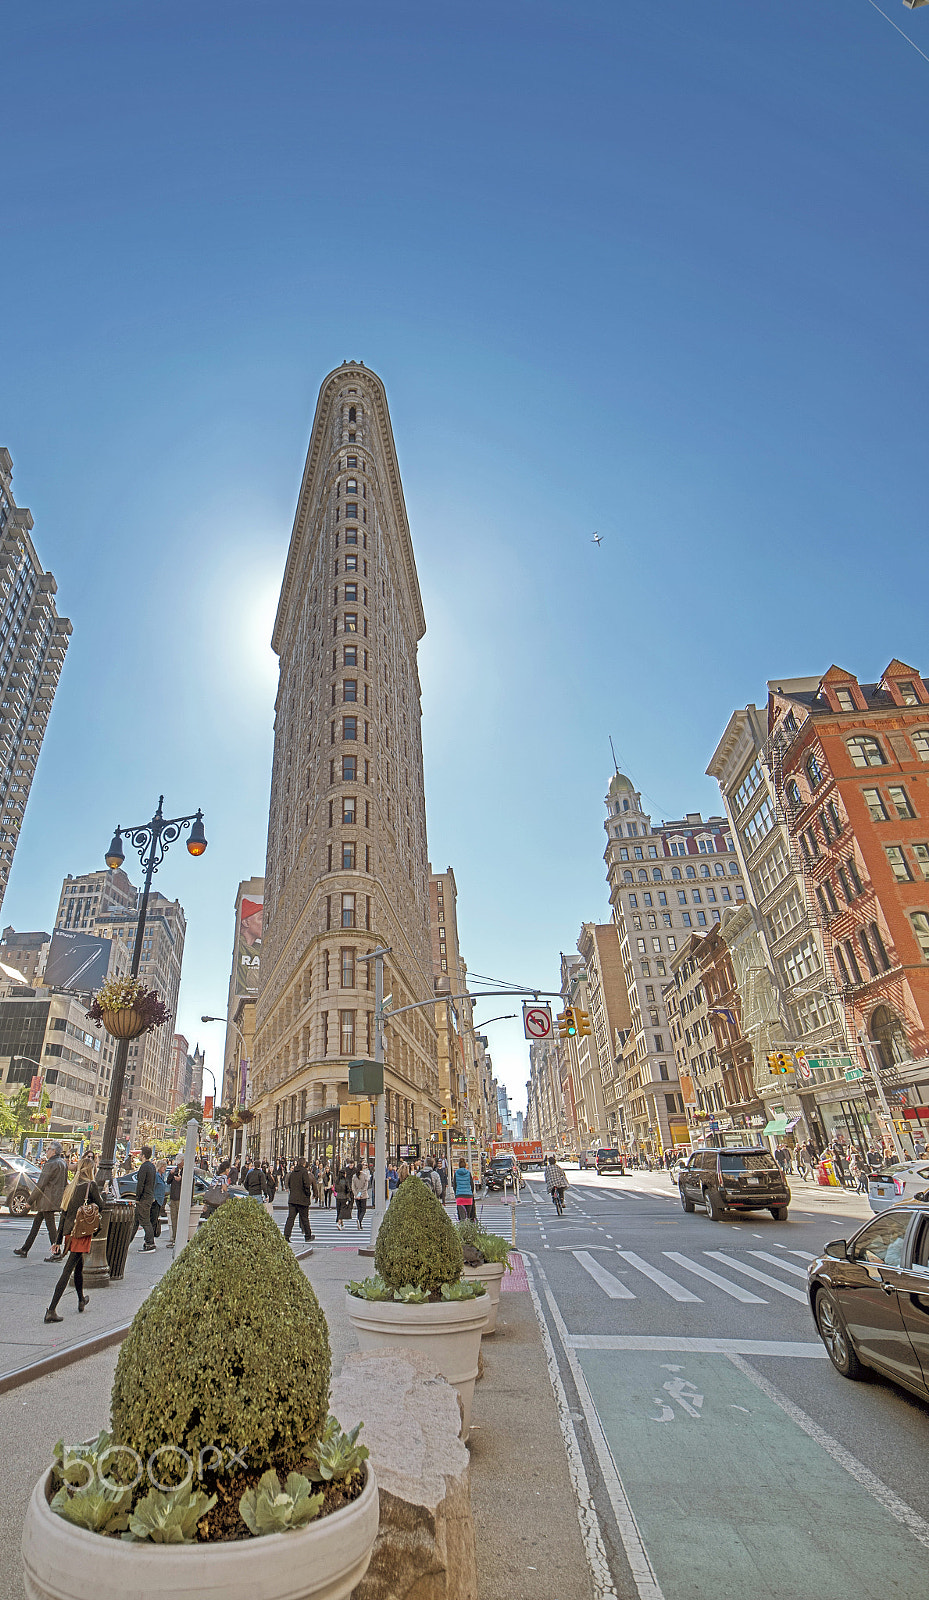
x=208, y=1108
x=248, y=945
x=35, y=1091
x=77, y=961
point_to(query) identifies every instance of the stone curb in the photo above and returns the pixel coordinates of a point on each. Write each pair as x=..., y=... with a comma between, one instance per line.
x=63, y=1357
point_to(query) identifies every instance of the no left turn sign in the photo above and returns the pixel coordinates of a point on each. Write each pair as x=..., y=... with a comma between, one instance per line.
x=537, y=1022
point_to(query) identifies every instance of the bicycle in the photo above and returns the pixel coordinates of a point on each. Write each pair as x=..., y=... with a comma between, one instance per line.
x=558, y=1199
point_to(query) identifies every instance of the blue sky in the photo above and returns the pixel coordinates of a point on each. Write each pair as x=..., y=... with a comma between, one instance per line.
x=653, y=269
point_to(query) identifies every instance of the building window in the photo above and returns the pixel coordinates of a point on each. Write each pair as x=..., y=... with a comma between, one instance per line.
x=349, y=689
x=690, y=872
x=633, y=899
x=662, y=898
x=898, y=863
x=852, y=960
x=701, y=918
x=880, y=947
x=348, y=911
x=351, y=622
x=921, y=745
x=347, y=1033
x=624, y=853
x=867, y=952
x=657, y=875
x=349, y=727
x=672, y=946
x=900, y=800
x=875, y=804
x=656, y=947
x=814, y=771
x=348, y=968
x=640, y=946
x=794, y=797
x=921, y=852
x=920, y=921
x=348, y=808
x=348, y=856
x=844, y=699
x=865, y=751
x=349, y=769
x=908, y=692
x=686, y=920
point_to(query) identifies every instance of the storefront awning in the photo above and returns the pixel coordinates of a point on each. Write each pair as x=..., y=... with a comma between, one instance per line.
x=776, y=1125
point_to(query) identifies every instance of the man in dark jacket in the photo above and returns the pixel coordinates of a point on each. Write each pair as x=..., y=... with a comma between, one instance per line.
x=299, y=1195
x=144, y=1195
x=46, y=1197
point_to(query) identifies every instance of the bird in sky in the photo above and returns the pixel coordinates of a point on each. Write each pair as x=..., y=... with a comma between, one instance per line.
x=596, y=540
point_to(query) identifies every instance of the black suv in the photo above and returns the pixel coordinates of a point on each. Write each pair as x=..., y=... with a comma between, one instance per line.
x=746, y=1179
x=609, y=1161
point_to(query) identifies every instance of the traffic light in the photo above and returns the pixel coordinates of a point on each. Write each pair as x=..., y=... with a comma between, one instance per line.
x=772, y=1063
x=582, y=1018
x=444, y=1117
x=780, y=1062
x=567, y=1027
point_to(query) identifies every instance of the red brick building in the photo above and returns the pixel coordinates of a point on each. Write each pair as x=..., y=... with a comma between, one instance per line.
x=851, y=766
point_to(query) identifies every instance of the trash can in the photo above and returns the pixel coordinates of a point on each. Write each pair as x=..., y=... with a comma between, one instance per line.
x=122, y=1221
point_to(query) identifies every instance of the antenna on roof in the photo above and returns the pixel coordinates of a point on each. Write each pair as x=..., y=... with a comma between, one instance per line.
x=613, y=752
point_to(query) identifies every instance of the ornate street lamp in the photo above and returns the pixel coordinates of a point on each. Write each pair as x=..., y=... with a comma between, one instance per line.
x=151, y=839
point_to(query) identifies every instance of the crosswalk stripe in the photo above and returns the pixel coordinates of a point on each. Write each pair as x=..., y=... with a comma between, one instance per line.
x=805, y=1255
x=611, y=1285
x=733, y=1289
x=669, y=1285
x=778, y=1261
x=760, y=1277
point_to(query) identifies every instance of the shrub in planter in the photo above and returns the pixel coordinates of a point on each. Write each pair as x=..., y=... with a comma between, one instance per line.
x=417, y=1242
x=492, y=1246
x=223, y=1473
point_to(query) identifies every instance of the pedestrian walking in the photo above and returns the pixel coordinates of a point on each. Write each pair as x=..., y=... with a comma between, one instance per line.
x=441, y=1172
x=464, y=1191
x=254, y=1182
x=161, y=1194
x=174, y=1180
x=429, y=1176
x=299, y=1194
x=344, y=1199
x=403, y=1172
x=361, y=1182
x=327, y=1186
x=392, y=1181
x=144, y=1196
x=46, y=1197
x=840, y=1163
x=82, y=1220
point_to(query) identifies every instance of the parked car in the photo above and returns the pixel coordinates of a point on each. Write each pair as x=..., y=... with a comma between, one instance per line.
x=747, y=1179
x=609, y=1160
x=869, y=1296
x=907, y=1181
x=19, y=1177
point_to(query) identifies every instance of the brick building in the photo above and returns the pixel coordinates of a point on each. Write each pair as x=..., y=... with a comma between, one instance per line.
x=851, y=765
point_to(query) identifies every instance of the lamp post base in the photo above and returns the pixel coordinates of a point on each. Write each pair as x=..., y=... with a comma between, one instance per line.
x=96, y=1271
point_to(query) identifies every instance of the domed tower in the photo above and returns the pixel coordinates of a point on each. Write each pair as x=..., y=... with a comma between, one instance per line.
x=624, y=814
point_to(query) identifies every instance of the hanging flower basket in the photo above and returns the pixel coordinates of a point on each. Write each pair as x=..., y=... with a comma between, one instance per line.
x=127, y=1009
x=245, y=1115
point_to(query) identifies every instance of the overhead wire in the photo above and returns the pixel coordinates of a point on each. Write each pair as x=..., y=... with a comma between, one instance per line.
x=899, y=30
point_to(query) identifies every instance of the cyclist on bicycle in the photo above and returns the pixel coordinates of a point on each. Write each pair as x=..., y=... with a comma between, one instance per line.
x=556, y=1183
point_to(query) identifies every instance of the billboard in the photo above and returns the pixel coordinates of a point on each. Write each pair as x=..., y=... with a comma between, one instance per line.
x=248, y=945
x=77, y=961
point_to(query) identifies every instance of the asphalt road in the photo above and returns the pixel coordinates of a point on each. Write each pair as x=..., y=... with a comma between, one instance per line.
x=721, y=1454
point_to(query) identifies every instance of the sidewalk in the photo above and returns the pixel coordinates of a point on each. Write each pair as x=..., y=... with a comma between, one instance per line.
x=528, y=1537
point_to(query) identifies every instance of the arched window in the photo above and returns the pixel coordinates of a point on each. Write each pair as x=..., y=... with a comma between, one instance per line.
x=886, y=1029
x=625, y=805
x=920, y=921
x=921, y=744
x=352, y=415
x=691, y=872
x=657, y=875
x=627, y=876
x=643, y=875
x=794, y=798
x=676, y=873
x=814, y=771
x=865, y=751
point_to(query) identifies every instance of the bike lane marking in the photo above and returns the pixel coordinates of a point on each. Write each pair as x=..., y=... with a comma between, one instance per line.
x=735, y=1491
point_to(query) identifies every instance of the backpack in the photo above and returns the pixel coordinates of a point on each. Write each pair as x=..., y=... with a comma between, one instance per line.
x=87, y=1219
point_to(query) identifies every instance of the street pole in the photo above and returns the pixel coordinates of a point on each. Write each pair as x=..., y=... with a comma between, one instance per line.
x=187, y=1186
x=380, y=1104
x=151, y=840
x=867, y=1047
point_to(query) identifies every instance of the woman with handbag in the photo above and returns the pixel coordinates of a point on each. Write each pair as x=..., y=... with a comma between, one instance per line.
x=81, y=1222
x=344, y=1198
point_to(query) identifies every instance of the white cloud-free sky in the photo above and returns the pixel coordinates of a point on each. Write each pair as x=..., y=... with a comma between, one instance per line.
x=655, y=270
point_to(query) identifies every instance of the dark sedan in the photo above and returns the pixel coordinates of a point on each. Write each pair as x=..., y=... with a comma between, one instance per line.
x=19, y=1177
x=870, y=1298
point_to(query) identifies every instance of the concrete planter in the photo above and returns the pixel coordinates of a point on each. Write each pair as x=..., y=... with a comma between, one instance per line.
x=323, y=1561
x=447, y=1333
x=490, y=1274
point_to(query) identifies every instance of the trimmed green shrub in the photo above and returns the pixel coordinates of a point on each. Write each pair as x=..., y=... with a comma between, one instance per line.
x=229, y=1351
x=417, y=1243
x=493, y=1246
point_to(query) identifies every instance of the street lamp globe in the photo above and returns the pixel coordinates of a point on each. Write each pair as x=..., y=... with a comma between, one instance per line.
x=115, y=855
x=196, y=844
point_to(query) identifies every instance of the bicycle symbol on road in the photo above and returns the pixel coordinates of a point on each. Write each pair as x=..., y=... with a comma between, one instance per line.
x=682, y=1392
